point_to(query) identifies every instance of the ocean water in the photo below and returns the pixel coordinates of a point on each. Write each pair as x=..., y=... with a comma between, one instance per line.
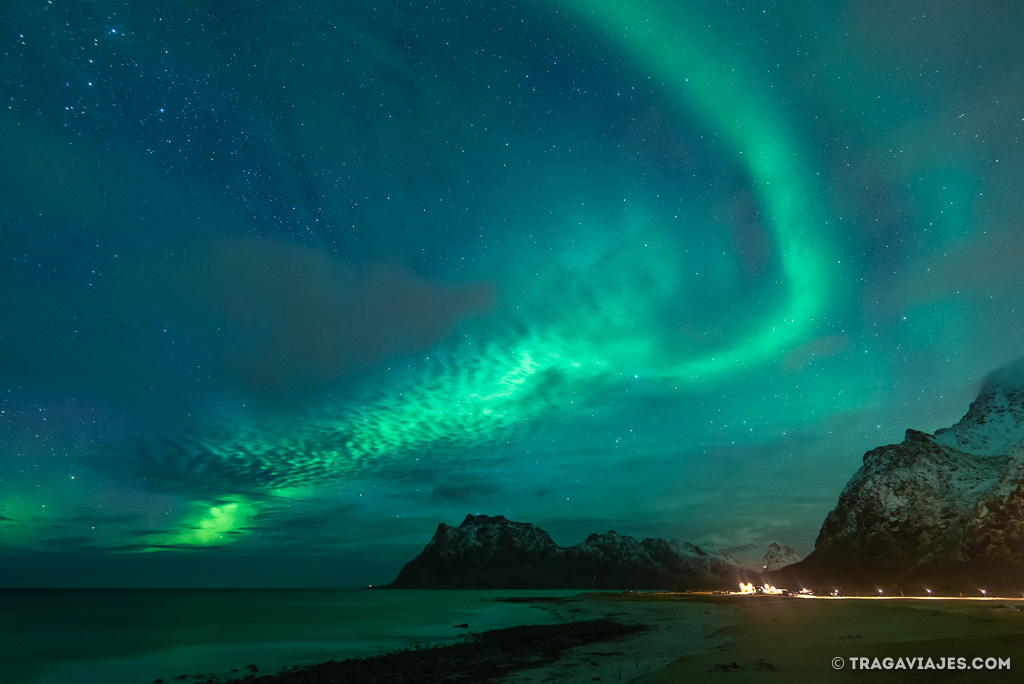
x=137, y=636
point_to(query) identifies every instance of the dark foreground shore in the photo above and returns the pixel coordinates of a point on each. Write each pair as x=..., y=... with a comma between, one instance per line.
x=669, y=638
x=773, y=639
x=482, y=657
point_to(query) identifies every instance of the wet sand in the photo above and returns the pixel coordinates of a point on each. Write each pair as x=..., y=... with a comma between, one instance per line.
x=668, y=638
x=482, y=657
x=675, y=627
x=774, y=639
x=777, y=639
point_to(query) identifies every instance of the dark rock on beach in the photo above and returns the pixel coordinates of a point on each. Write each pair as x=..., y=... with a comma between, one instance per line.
x=480, y=658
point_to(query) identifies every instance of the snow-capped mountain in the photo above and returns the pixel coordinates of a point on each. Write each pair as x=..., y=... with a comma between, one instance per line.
x=493, y=552
x=994, y=423
x=948, y=506
x=759, y=558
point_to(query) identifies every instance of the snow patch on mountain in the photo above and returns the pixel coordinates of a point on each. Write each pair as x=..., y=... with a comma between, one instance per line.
x=934, y=503
x=487, y=551
x=759, y=558
x=994, y=424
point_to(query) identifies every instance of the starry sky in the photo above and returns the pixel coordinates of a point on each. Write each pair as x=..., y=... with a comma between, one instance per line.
x=285, y=284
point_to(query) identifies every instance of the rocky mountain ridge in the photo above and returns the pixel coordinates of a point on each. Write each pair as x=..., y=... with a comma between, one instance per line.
x=758, y=558
x=941, y=508
x=494, y=552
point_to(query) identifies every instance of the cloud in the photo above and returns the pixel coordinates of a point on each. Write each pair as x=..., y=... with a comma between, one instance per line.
x=64, y=542
x=163, y=338
x=146, y=548
x=460, y=493
x=286, y=319
x=143, y=532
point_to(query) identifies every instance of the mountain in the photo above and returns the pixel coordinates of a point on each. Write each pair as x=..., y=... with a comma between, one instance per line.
x=945, y=509
x=493, y=552
x=758, y=558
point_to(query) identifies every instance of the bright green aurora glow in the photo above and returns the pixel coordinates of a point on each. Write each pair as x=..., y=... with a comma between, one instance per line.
x=304, y=279
x=462, y=399
x=205, y=525
x=736, y=105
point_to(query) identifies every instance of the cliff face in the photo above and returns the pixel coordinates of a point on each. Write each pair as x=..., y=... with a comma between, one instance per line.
x=758, y=558
x=493, y=552
x=946, y=506
x=482, y=552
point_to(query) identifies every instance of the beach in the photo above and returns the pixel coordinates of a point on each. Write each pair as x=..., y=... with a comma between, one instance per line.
x=666, y=638
x=512, y=637
x=773, y=639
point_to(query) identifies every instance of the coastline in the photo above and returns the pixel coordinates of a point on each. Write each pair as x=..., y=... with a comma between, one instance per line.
x=139, y=636
x=662, y=638
x=597, y=636
x=777, y=639
x=485, y=656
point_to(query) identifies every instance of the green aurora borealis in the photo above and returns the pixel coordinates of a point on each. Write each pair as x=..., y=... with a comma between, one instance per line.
x=301, y=282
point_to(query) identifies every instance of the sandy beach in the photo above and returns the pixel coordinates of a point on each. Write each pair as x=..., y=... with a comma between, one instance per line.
x=675, y=628
x=778, y=639
x=798, y=640
x=667, y=638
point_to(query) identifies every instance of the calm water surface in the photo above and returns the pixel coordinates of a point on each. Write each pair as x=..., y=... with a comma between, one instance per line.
x=136, y=636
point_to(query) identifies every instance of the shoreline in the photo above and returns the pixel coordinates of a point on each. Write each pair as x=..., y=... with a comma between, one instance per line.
x=598, y=636
x=827, y=639
x=484, y=656
x=653, y=638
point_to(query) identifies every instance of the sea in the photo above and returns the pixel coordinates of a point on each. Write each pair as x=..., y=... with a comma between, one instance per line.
x=136, y=636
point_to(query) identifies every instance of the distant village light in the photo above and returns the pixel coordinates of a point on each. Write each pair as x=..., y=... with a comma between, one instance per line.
x=750, y=588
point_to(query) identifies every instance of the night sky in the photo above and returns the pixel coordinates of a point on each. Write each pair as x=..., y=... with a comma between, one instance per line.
x=285, y=284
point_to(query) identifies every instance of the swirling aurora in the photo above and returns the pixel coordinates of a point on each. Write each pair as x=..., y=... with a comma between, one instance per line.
x=578, y=248
x=472, y=398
